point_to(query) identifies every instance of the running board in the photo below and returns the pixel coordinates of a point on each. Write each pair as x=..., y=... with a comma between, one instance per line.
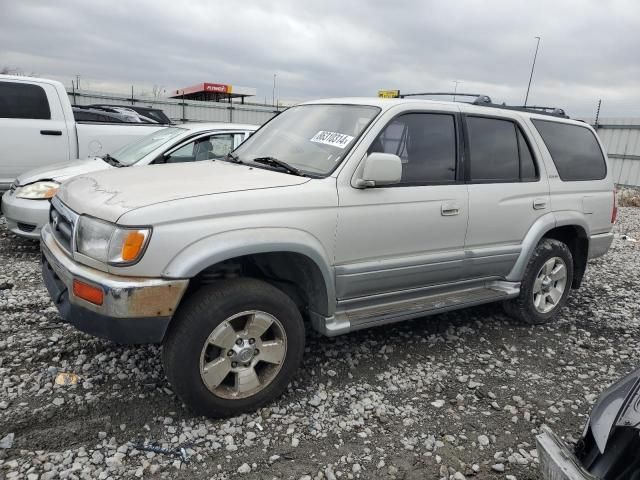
x=381, y=313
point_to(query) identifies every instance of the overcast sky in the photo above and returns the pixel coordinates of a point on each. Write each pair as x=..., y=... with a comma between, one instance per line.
x=590, y=50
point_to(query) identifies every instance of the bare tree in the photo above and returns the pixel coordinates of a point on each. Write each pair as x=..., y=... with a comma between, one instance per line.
x=157, y=90
x=7, y=70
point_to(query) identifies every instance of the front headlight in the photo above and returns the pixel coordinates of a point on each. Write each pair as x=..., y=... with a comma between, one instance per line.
x=109, y=243
x=38, y=190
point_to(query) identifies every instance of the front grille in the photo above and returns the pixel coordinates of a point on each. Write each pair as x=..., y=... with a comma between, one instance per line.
x=25, y=227
x=63, y=221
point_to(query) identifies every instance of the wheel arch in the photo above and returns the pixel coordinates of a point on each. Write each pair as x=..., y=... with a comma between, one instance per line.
x=571, y=228
x=284, y=257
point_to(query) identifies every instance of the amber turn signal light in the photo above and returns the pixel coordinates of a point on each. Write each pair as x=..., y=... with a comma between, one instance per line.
x=132, y=246
x=88, y=292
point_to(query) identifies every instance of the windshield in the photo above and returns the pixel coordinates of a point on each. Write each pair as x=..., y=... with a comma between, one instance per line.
x=133, y=152
x=311, y=138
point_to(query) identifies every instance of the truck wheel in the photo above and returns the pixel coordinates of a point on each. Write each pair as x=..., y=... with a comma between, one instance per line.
x=545, y=285
x=233, y=347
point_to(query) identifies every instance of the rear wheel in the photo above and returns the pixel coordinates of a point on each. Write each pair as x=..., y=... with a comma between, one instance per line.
x=545, y=285
x=233, y=347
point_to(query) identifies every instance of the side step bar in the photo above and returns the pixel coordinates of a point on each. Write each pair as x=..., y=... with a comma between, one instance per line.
x=390, y=311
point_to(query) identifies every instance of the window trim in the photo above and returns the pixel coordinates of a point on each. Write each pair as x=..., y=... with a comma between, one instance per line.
x=595, y=137
x=518, y=127
x=459, y=163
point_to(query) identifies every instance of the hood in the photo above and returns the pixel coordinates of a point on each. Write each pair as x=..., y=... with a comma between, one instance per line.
x=111, y=193
x=618, y=406
x=63, y=171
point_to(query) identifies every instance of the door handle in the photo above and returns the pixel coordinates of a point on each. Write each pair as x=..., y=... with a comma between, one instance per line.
x=51, y=132
x=539, y=203
x=449, y=209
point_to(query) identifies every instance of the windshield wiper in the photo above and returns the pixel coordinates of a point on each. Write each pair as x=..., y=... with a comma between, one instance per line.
x=274, y=162
x=232, y=157
x=112, y=161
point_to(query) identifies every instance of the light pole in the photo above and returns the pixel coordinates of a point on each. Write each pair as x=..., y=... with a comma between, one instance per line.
x=533, y=65
x=455, y=89
x=273, y=100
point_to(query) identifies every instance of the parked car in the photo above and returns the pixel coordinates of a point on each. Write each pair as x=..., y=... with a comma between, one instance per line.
x=610, y=445
x=152, y=113
x=85, y=114
x=26, y=205
x=336, y=215
x=37, y=128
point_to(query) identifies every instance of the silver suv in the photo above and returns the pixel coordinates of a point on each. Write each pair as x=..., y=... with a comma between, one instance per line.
x=336, y=215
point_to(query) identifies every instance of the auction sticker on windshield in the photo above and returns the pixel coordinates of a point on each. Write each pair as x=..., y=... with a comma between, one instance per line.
x=334, y=139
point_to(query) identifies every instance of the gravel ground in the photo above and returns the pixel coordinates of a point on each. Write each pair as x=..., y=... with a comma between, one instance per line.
x=457, y=395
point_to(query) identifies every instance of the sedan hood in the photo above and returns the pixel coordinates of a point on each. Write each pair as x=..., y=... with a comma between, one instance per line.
x=63, y=171
x=618, y=406
x=111, y=193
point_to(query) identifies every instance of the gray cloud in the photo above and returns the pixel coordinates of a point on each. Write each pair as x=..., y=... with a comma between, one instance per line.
x=589, y=49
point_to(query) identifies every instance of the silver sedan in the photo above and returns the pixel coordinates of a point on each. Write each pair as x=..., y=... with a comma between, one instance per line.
x=26, y=205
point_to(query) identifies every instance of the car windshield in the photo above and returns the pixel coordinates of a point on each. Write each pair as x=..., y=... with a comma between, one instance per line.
x=134, y=152
x=312, y=139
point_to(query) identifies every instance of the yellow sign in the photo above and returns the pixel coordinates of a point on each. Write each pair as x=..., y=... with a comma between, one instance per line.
x=389, y=93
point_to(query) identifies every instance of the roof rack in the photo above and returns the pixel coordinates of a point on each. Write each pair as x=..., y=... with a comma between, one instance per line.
x=485, y=101
x=480, y=99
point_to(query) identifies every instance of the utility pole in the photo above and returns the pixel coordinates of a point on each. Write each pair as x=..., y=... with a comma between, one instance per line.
x=598, y=114
x=273, y=98
x=455, y=89
x=533, y=65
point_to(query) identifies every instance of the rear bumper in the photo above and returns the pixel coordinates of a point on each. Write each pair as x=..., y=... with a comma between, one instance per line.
x=134, y=310
x=25, y=217
x=556, y=461
x=599, y=244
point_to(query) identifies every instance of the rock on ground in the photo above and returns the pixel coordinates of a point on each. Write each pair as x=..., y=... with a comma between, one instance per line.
x=461, y=394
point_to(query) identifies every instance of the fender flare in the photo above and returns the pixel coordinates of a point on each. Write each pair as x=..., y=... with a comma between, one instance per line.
x=539, y=229
x=222, y=246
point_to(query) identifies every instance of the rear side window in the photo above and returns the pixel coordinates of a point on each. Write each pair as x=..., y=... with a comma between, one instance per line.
x=23, y=100
x=574, y=150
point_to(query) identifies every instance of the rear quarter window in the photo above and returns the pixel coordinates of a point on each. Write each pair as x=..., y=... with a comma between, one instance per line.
x=23, y=100
x=574, y=149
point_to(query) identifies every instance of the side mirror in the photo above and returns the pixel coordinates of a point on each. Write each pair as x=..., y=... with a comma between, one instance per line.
x=380, y=169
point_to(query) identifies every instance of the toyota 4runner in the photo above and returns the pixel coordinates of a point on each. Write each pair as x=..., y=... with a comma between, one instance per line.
x=336, y=215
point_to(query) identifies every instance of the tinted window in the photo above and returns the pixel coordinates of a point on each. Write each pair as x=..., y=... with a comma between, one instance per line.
x=426, y=144
x=574, y=149
x=493, y=149
x=22, y=100
x=528, y=171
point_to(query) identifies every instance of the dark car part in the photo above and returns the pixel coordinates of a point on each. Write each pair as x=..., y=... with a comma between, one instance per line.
x=611, y=447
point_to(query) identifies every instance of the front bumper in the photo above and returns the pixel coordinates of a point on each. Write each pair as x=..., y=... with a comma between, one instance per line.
x=134, y=309
x=25, y=217
x=556, y=461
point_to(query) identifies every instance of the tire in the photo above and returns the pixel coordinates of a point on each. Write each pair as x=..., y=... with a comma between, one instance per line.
x=535, y=305
x=200, y=347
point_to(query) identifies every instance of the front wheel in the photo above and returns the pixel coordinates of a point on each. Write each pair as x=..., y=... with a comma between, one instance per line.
x=233, y=347
x=545, y=285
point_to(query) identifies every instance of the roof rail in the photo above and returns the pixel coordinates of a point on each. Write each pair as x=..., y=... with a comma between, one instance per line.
x=485, y=101
x=480, y=99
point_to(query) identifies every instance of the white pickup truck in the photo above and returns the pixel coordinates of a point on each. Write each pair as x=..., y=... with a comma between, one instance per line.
x=37, y=128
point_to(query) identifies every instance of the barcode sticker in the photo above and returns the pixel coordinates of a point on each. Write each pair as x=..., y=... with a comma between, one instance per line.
x=334, y=139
